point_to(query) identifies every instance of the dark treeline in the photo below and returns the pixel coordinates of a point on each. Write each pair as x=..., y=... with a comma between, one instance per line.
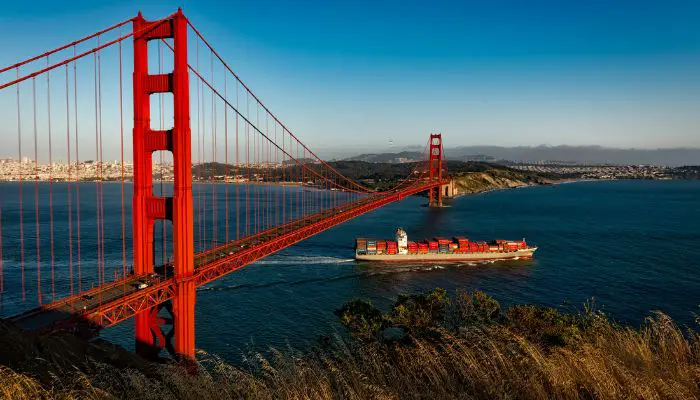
x=377, y=175
x=687, y=172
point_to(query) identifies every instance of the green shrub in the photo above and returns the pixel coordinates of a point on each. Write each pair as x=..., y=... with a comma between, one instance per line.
x=472, y=308
x=419, y=312
x=362, y=320
x=544, y=325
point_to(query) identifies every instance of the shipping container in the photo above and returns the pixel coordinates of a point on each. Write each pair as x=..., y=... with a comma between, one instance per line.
x=442, y=240
x=423, y=248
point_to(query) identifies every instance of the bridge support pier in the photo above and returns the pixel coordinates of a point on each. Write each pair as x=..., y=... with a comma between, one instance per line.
x=183, y=319
x=148, y=208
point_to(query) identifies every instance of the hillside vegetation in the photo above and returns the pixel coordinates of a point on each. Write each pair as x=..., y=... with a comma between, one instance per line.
x=426, y=346
x=471, y=176
x=497, y=178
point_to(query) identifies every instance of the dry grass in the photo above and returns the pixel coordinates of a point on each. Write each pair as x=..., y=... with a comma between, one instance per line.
x=530, y=354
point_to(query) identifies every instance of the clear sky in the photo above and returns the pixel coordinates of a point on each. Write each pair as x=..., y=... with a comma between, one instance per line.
x=350, y=74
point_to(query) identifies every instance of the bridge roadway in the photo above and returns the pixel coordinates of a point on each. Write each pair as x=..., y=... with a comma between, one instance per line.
x=213, y=263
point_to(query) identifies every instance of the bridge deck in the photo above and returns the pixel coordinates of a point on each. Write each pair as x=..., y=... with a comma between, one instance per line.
x=70, y=311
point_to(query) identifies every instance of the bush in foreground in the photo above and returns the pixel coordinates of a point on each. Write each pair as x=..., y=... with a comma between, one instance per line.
x=425, y=346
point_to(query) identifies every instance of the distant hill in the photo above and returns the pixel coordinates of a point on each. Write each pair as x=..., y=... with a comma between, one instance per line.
x=393, y=158
x=412, y=156
x=564, y=154
x=581, y=154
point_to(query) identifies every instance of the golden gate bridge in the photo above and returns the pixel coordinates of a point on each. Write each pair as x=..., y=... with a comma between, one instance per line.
x=175, y=233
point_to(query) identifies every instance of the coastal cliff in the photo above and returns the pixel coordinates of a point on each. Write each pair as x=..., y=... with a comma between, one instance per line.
x=494, y=179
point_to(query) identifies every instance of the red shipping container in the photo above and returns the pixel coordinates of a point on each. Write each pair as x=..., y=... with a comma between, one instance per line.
x=442, y=240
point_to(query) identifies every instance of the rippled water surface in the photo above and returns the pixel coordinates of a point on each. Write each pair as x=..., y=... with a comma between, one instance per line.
x=631, y=245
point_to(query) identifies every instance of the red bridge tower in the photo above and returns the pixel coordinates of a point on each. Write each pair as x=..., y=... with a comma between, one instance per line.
x=148, y=208
x=435, y=169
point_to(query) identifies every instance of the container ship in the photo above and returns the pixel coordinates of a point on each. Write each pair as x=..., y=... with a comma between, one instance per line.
x=440, y=249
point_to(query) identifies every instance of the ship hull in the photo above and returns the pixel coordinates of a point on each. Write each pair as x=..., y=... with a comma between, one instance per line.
x=450, y=257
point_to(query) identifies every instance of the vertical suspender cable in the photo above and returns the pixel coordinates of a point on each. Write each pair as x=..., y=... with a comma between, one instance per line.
x=68, y=190
x=121, y=147
x=258, y=169
x=265, y=148
x=269, y=174
x=214, y=227
x=228, y=170
x=101, y=178
x=297, y=177
x=95, y=167
x=35, y=176
x=48, y=104
x=199, y=158
x=258, y=159
x=247, y=164
x=2, y=276
x=21, y=201
x=284, y=178
x=77, y=170
x=277, y=171
x=238, y=172
x=204, y=159
x=302, y=190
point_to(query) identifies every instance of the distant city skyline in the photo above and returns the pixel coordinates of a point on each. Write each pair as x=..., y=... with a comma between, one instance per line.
x=358, y=75
x=671, y=157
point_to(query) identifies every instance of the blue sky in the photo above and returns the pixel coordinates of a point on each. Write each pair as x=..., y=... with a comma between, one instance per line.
x=356, y=74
